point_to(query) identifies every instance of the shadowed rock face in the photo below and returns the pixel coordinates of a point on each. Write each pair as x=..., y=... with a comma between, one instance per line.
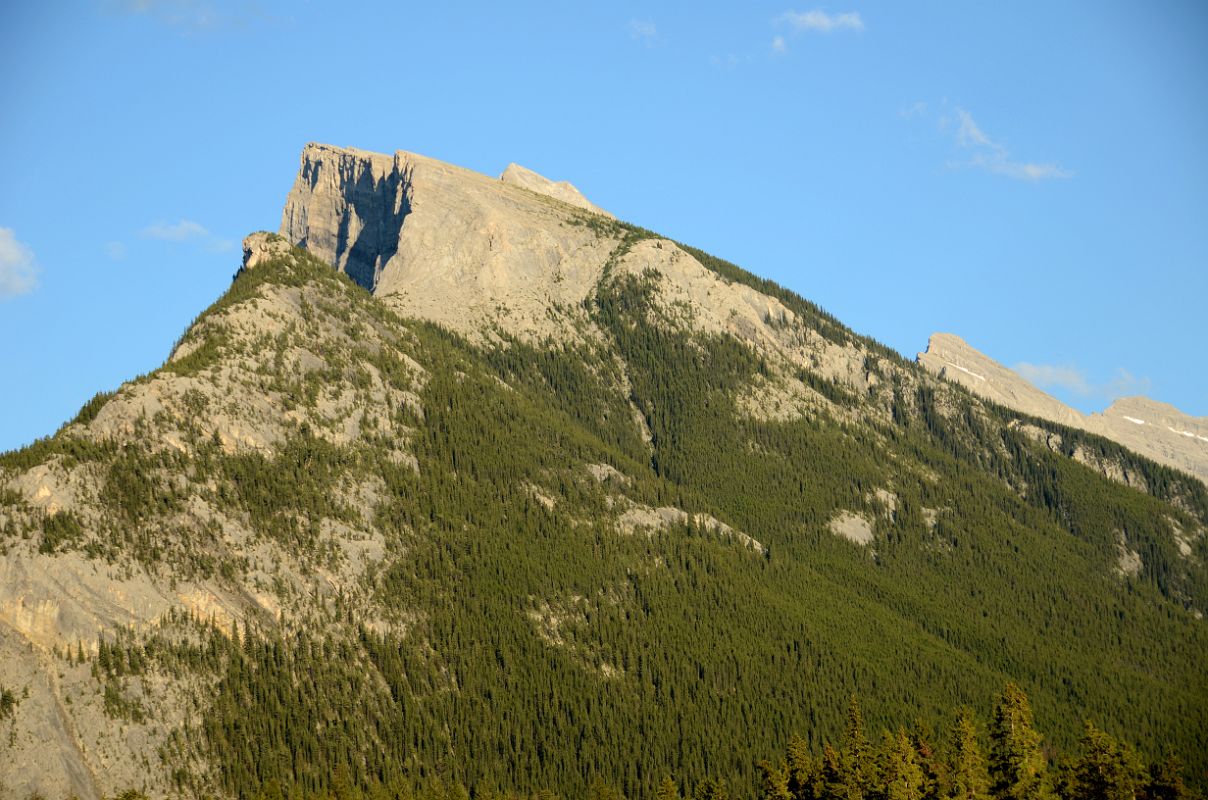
x=1156, y=430
x=348, y=207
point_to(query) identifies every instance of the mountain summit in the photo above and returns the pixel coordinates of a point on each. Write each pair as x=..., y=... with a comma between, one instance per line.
x=448, y=244
x=562, y=190
x=467, y=485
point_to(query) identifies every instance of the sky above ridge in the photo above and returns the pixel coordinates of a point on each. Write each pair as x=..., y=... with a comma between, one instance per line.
x=1030, y=176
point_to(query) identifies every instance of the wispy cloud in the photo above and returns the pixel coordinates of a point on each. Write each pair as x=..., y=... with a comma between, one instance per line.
x=817, y=21
x=186, y=230
x=992, y=156
x=1048, y=376
x=18, y=267
x=197, y=16
x=175, y=232
x=727, y=62
x=644, y=31
x=116, y=251
x=1074, y=380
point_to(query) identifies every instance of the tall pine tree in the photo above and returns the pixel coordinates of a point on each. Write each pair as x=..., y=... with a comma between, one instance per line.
x=1105, y=770
x=969, y=779
x=1017, y=764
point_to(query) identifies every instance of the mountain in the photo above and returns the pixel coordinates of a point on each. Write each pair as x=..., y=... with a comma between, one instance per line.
x=1156, y=430
x=464, y=483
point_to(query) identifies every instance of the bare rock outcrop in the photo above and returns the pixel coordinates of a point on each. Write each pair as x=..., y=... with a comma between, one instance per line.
x=261, y=246
x=1157, y=430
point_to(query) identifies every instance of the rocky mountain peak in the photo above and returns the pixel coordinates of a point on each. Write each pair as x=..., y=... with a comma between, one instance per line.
x=951, y=357
x=1149, y=427
x=565, y=191
x=449, y=244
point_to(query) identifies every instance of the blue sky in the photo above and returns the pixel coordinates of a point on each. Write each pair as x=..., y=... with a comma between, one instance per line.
x=1031, y=176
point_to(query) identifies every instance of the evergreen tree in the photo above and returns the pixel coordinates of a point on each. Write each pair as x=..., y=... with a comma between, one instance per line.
x=968, y=778
x=774, y=781
x=1017, y=764
x=1105, y=769
x=856, y=749
x=600, y=789
x=900, y=776
x=835, y=780
x=667, y=789
x=804, y=771
x=930, y=763
x=709, y=789
x=1166, y=780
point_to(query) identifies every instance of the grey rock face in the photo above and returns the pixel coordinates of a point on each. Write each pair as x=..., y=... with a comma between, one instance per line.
x=1158, y=430
x=445, y=243
x=1153, y=429
x=348, y=206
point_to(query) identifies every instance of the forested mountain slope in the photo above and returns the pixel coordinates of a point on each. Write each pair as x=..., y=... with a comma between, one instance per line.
x=652, y=516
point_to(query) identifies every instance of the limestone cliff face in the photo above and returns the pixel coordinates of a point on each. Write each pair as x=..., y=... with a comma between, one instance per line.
x=446, y=243
x=347, y=207
x=1156, y=430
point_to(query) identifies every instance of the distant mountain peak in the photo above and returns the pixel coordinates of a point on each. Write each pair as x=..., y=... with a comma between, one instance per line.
x=1152, y=428
x=565, y=191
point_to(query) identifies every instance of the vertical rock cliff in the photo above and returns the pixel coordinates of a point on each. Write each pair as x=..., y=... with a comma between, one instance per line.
x=348, y=207
x=446, y=243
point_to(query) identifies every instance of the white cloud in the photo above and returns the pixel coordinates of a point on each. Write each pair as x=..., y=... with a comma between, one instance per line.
x=968, y=134
x=18, y=268
x=1027, y=171
x=186, y=230
x=916, y=109
x=181, y=231
x=987, y=154
x=1126, y=384
x=115, y=250
x=643, y=31
x=1074, y=380
x=1047, y=376
x=821, y=22
x=779, y=46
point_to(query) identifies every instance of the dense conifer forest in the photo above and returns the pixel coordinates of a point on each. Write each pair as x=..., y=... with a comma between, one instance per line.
x=1007, y=758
